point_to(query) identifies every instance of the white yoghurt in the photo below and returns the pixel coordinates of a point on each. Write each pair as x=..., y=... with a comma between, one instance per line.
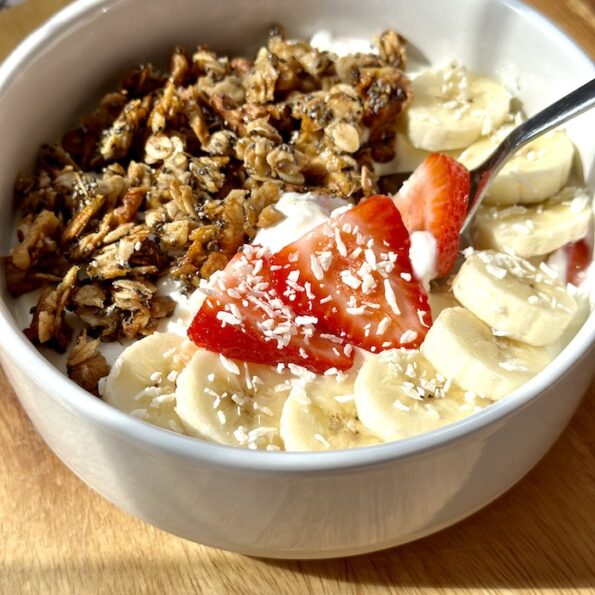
x=342, y=46
x=186, y=306
x=423, y=254
x=303, y=212
x=558, y=262
x=325, y=41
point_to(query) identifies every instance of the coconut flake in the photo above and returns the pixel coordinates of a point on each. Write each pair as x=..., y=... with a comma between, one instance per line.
x=390, y=297
x=229, y=365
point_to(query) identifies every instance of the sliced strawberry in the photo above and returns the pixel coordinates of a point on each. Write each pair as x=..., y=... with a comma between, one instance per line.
x=434, y=199
x=243, y=318
x=354, y=274
x=579, y=256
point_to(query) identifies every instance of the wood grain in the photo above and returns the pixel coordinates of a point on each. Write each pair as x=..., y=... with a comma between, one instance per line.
x=57, y=536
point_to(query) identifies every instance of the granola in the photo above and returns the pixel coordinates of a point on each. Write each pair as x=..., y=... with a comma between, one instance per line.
x=175, y=170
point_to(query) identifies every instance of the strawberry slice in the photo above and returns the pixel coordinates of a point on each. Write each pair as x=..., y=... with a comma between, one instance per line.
x=243, y=318
x=434, y=199
x=354, y=274
x=579, y=257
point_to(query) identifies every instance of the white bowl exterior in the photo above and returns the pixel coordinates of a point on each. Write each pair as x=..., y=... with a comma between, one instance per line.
x=308, y=514
x=294, y=507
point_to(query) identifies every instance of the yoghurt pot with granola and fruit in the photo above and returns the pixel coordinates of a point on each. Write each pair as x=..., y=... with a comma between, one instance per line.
x=220, y=249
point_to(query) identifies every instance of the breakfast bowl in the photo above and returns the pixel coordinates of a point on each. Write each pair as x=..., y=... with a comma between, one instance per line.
x=284, y=504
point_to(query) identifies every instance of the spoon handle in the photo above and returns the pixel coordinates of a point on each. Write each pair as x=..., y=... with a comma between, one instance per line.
x=571, y=105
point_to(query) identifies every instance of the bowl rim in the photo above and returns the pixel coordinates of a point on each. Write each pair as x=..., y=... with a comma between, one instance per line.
x=25, y=356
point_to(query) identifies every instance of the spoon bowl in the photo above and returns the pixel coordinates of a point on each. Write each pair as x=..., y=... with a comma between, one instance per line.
x=566, y=108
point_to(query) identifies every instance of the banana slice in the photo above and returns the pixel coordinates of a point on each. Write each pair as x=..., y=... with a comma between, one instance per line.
x=321, y=415
x=232, y=402
x=462, y=347
x=452, y=108
x=514, y=297
x=535, y=230
x=399, y=394
x=142, y=381
x=536, y=172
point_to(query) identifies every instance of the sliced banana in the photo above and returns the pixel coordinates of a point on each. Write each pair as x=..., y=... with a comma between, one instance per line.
x=535, y=230
x=536, y=172
x=452, y=108
x=462, y=347
x=142, y=381
x=517, y=299
x=232, y=402
x=321, y=415
x=399, y=394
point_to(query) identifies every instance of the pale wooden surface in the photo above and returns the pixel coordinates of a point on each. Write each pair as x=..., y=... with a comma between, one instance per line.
x=57, y=536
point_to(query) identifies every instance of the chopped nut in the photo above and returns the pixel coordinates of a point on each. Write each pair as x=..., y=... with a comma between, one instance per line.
x=92, y=296
x=230, y=90
x=215, y=262
x=85, y=365
x=195, y=114
x=392, y=49
x=179, y=67
x=387, y=92
x=118, y=138
x=166, y=106
x=208, y=63
x=131, y=202
x=260, y=81
x=36, y=235
x=48, y=324
x=78, y=223
x=269, y=216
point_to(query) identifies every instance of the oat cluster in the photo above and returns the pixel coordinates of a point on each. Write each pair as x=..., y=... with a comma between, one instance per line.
x=175, y=170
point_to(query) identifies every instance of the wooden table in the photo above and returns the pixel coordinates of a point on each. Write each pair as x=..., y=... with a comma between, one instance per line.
x=57, y=536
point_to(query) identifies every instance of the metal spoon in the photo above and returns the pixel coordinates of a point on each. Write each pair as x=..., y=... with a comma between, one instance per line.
x=573, y=104
x=564, y=109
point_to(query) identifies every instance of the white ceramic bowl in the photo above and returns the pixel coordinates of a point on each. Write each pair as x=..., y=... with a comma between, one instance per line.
x=290, y=505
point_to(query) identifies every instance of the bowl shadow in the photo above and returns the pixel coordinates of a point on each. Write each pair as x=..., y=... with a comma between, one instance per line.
x=537, y=535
